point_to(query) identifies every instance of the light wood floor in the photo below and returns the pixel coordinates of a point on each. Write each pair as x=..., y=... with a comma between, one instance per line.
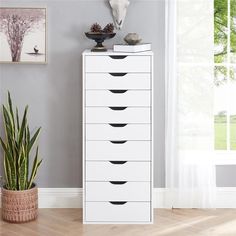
x=177, y=222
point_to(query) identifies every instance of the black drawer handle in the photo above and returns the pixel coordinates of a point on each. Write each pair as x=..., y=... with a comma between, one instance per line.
x=118, y=182
x=118, y=125
x=119, y=142
x=118, y=162
x=117, y=57
x=118, y=91
x=117, y=108
x=118, y=74
x=118, y=203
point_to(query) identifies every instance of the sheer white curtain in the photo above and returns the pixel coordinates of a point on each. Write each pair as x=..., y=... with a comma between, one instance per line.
x=190, y=169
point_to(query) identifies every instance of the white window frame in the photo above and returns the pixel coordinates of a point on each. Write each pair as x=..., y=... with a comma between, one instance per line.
x=227, y=157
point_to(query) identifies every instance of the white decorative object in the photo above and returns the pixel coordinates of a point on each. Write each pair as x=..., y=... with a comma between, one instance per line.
x=132, y=39
x=119, y=9
x=117, y=137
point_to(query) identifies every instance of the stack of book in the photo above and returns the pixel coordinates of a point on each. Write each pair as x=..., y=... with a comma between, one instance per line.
x=142, y=47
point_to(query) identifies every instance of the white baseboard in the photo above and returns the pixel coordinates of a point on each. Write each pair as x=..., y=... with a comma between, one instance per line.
x=226, y=197
x=72, y=197
x=60, y=197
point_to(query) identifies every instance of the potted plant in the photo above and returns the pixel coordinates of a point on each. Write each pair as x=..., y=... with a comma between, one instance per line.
x=19, y=192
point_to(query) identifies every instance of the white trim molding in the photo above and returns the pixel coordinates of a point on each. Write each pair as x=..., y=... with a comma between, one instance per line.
x=60, y=197
x=226, y=197
x=72, y=197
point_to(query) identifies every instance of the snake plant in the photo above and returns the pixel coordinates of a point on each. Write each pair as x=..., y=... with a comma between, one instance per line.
x=17, y=147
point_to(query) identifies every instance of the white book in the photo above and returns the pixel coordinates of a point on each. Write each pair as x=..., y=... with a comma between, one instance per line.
x=132, y=48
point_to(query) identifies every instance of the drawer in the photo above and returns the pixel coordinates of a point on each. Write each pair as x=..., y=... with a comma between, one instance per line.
x=117, y=132
x=118, y=191
x=117, y=170
x=118, y=115
x=117, y=64
x=118, y=151
x=118, y=81
x=118, y=98
x=122, y=212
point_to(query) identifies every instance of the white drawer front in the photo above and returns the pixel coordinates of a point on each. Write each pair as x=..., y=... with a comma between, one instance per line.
x=118, y=191
x=118, y=64
x=108, y=132
x=125, y=98
x=128, y=212
x=117, y=81
x=117, y=170
x=118, y=115
x=113, y=151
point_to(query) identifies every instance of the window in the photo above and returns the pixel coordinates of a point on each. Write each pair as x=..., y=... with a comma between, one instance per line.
x=225, y=74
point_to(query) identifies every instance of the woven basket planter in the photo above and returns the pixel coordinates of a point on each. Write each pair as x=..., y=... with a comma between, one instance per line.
x=20, y=206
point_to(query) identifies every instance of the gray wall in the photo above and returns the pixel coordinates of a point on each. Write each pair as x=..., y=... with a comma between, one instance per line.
x=54, y=91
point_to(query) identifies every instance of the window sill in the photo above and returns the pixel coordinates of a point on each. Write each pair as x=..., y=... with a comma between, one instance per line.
x=225, y=158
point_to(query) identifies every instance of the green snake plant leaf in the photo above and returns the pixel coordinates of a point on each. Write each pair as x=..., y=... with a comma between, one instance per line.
x=7, y=122
x=28, y=134
x=23, y=125
x=9, y=129
x=27, y=137
x=21, y=156
x=23, y=171
x=17, y=120
x=9, y=165
x=35, y=167
x=7, y=152
x=33, y=139
x=35, y=172
x=8, y=147
x=7, y=170
x=11, y=114
x=10, y=175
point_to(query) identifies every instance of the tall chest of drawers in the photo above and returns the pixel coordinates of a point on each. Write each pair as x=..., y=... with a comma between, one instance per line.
x=117, y=137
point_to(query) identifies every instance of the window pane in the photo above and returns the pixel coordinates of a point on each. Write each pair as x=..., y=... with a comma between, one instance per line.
x=220, y=77
x=220, y=28
x=220, y=106
x=221, y=131
x=232, y=108
x=233, y=30
x=233, y=132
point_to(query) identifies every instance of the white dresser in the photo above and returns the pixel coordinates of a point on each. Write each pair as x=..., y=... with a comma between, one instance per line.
x=117, y=137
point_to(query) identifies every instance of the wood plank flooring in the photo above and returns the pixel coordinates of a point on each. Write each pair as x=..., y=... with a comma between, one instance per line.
x=177, y=222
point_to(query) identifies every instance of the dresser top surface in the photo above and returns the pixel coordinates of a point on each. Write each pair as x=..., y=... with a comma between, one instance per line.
x=88, y=52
